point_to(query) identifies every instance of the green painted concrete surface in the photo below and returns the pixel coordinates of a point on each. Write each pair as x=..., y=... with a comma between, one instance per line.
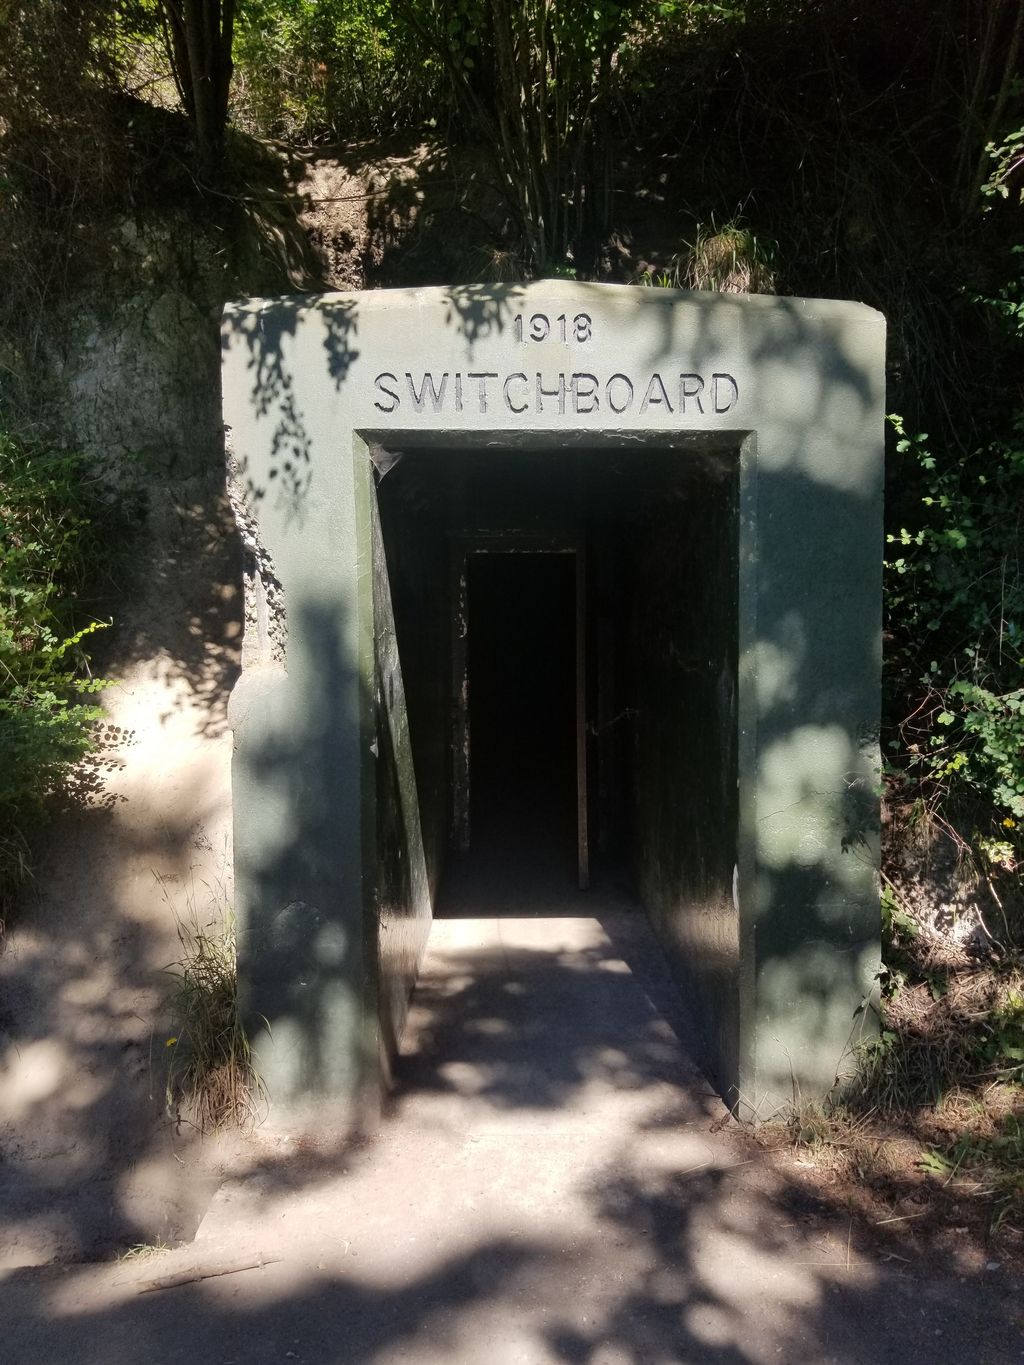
x=757, y=847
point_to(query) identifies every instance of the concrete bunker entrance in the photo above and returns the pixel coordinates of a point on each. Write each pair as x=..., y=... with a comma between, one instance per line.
x=563, y=625
x=718, y=461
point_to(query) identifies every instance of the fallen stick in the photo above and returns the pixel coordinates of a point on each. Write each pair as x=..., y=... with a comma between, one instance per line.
x=208, y=1273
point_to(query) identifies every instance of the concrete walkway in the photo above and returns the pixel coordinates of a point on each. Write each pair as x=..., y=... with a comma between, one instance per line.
x=555, y=1183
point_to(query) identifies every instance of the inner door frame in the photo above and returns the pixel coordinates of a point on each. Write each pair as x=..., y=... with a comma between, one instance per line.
x=513, y=542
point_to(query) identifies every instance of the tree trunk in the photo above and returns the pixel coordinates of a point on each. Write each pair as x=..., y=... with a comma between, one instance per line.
x=199, y=37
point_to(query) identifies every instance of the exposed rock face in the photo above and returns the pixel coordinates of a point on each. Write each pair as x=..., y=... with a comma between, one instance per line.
x=403, y=215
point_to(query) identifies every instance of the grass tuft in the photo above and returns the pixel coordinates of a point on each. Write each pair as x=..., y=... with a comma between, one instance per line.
x=212, y=1082
x=729, y=260
x=142, y=1251
x=496, y=265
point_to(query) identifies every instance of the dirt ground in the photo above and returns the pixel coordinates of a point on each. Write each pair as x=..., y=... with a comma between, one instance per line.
x=554, y=1183
x=89, y=1161
x=898, y=1207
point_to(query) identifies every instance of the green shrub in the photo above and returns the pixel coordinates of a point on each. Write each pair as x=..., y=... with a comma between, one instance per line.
x=955, y=602
x=48, y=547
x=314, y=69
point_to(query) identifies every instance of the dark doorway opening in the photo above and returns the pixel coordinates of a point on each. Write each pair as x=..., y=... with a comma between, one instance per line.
x=497, y=538
x=522, y=714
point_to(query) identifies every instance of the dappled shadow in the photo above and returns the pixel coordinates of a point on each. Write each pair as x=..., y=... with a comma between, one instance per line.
x=480, y=312
x=506, y=1300
x=609, y=1219
x=297, y=863
x=305, y=720
x=182, y=622
x=89, y=1160
x=267, y=334
x=139, y=364
x=511, y=1027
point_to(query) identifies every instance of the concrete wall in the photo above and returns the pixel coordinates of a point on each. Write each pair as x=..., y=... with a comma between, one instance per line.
x=684, y=789
x=413, y=533
x=411, y=699
x=307, y=931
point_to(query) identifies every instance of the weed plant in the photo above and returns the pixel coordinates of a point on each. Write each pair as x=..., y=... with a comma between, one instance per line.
x=212, y=1082
x=730, y=259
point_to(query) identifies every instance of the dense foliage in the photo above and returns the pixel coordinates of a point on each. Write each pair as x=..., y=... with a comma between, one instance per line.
x=955, y=603
x=328, y=70
x=956, y=592
x=48, y=701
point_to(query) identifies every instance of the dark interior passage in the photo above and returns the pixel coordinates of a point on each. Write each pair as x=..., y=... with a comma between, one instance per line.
x=522, y=709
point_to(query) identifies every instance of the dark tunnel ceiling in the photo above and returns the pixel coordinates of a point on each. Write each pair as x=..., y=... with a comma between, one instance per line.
x=566, y=486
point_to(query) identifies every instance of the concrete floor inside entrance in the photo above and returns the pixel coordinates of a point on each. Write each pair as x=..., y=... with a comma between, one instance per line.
x=551, y=1019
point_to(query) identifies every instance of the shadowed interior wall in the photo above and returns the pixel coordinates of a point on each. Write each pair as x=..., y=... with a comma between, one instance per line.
x=684, y=794
x=411, y=711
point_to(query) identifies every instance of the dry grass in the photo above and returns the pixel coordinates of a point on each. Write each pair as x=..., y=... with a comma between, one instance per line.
x=954, y=1031
x=142, y=1251
x=846, y=1144
x=954, y=1170
x=726, y=260
x=212, y=1082
x=978, y=1147
x=494, y=265
x=953, y=1009
x=729, y=260
x=928, y=1136
x=15, y=871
